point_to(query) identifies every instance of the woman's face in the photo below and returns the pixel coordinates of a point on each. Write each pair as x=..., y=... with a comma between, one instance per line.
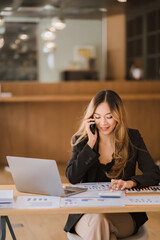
x=104, y=119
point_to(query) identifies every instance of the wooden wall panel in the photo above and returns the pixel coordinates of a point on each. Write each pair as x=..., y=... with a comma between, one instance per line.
x=40, y=130
x=144, y=115
x=116, y=47
x=82, y=87
x=43, y=129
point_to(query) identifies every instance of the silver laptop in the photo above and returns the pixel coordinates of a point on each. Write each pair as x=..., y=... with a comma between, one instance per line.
x=39, y=176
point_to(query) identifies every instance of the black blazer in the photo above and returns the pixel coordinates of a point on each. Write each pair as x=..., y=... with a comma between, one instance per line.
x=84, y=166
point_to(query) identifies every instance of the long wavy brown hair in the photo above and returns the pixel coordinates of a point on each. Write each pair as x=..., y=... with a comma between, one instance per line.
x=120, y=132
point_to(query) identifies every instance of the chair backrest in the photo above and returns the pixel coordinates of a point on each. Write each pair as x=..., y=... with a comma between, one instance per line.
x=73, y=236
x=142, y=234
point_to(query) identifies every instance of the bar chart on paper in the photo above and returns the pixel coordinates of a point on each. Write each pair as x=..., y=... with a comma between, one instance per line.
x=91, y=202
x=97, y=186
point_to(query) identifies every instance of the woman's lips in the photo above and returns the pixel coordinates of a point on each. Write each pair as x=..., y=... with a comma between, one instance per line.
x=104, y=128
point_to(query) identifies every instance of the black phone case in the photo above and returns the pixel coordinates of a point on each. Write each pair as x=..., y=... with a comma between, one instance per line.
x=93, y=127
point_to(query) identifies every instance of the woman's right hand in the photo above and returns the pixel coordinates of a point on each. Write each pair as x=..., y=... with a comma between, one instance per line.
x=91, y=137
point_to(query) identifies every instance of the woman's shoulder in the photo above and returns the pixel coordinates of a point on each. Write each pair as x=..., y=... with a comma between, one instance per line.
x=81, y=143
x=132, y=131
x=134, y=134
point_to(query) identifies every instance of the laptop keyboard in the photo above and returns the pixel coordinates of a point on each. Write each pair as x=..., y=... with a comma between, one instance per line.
x=68, y=191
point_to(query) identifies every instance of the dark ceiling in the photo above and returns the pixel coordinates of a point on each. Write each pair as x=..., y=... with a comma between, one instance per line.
x=26, y=13
x=68, y=8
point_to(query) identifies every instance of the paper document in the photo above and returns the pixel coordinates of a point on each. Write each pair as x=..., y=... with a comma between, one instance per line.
x=91, y=202
x=142, y=200
x=7, y=205
x=97, y=186
x=96, y=190
x=41, y=202
x=6, y=196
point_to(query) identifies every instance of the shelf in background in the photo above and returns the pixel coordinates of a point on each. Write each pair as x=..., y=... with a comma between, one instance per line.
x=73, y=98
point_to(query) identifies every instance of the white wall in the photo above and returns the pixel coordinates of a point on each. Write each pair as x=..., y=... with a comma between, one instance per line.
x=77, y=32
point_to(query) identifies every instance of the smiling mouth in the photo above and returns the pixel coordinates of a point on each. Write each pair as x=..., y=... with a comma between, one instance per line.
x=104, y=128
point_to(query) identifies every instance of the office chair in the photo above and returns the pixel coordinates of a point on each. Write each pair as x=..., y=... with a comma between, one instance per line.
x=142, y=234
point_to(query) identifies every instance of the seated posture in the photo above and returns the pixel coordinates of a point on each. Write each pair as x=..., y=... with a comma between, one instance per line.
x=105, y=150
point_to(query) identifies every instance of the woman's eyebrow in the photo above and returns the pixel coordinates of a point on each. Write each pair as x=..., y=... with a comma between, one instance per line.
x=105, y=114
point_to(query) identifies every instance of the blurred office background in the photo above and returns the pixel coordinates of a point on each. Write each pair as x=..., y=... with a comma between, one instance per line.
x=54, y=56
x=122, y=38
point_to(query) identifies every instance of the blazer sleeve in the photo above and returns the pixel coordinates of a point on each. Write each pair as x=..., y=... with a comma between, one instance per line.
x=150, y=172
x=83, y=157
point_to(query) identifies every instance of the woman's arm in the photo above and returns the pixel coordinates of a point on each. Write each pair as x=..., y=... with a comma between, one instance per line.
x=150, y=172
x=81, y=160
x=83, y=155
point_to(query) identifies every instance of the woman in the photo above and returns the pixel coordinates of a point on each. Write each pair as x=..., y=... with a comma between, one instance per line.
x=108, y=153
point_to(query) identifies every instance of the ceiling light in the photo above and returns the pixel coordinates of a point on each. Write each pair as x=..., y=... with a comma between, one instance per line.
x=17, y=41
x=1, y=42
x=5, y=13
x=1, y=21
x=46, y=50
x=48, y=36
x=51, y=28
x=23, y=36
x=59, y=24
x=13, y=46
x=8, y=9
x=103, y=9
x=48, y=7
x=122, y=0
x=50, y=45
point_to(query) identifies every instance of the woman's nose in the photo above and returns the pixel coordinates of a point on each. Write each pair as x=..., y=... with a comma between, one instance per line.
x=103, y=121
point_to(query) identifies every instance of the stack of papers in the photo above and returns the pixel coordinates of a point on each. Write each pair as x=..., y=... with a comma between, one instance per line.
x=6, y=198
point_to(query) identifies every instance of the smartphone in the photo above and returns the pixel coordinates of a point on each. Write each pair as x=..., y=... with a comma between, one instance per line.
x=93, y=128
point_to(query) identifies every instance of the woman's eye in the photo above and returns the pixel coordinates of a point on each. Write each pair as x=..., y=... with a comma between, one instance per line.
x=97, y=117
x=109, y=117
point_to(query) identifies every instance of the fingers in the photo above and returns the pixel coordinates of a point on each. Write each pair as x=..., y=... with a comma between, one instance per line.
x=115, y=184
x=92, y=138
x=118, y=184
x=88, y=123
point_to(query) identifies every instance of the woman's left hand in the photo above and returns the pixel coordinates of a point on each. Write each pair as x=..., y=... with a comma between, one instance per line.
x=118, y=184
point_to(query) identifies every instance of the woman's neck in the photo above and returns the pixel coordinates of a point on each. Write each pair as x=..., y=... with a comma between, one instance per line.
x=108, y=139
